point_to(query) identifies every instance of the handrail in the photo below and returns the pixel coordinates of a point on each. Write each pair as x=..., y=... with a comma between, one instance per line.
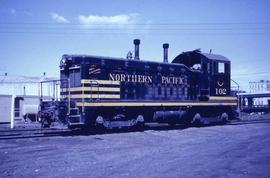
x=68, y=96
x=83, y=98
x=54, y=96
x=94, y=82
x=238, y=98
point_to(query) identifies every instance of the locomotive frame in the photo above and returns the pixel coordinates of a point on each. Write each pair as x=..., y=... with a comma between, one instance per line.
x=117, y=92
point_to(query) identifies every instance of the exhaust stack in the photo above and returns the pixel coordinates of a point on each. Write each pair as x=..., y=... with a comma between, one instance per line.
x=137, y=50
x=165, y=52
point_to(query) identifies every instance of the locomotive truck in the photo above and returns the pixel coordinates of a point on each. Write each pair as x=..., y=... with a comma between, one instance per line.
x=111, y=92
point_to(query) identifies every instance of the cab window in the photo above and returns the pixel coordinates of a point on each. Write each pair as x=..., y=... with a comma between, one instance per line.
x=196, y=67
x=221, y=67
x=75, y=78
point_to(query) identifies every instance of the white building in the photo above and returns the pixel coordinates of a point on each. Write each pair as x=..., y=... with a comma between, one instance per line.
x=259, y=86
x=24, y=92
x=25, y=85
x=262, y=86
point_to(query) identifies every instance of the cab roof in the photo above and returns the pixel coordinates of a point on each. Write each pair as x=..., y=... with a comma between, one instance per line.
x=191, y=57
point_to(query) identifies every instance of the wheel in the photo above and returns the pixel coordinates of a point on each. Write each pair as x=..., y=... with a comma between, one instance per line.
x=45, y=123
x=197, y=120
x=140, y=123
x=140, y=118
x=224, y=117
x=99, y=125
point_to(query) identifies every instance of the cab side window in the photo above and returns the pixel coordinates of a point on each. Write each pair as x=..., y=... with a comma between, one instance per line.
x=196, y=67
x=221, y=67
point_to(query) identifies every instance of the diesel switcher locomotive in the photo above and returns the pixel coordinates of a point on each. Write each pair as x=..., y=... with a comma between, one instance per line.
x=119, y=92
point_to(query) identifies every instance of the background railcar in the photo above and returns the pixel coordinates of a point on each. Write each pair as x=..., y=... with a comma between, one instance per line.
x=118, y=92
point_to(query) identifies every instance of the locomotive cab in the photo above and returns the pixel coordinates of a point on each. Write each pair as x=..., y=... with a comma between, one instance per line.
x=213, y=71
x=220, y=77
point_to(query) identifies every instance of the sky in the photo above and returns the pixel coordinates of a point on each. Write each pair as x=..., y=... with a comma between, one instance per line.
x=34, y=34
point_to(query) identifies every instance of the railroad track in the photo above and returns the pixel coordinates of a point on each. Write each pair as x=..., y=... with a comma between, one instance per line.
x=32, y=133
x=242, y=122
x=52, y=132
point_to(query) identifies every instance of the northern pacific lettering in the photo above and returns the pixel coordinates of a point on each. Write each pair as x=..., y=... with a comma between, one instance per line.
x=134, y=78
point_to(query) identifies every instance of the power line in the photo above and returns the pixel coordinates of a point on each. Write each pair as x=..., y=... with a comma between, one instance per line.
x=133, y=32
x=204, y=28
x=131, y=28
x=129, y=23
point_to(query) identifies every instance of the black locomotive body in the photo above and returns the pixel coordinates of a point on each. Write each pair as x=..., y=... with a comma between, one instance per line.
x=117, y=92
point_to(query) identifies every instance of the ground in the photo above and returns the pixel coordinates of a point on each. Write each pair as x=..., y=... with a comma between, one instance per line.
x=234, y=150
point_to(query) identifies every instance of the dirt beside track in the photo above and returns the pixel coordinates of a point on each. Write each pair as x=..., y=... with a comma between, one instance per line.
x=234, y=150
